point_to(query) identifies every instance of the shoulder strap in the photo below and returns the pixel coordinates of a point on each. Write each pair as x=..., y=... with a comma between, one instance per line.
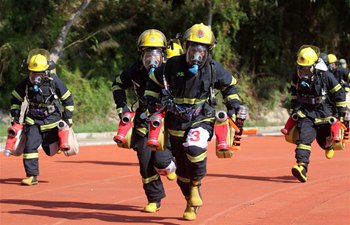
x=212, y=98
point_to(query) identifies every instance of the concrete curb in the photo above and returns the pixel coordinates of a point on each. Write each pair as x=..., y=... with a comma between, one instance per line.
x=103, y=138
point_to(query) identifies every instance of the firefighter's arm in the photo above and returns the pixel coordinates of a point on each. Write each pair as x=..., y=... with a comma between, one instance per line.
x=66, y=99
x=17, y=97
x=339, y=96
x=294, y=103
x=120, y=84
x=153, y=90
x=227, y=85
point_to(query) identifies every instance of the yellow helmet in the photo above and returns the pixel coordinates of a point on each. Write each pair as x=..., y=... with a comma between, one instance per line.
x=38, y=63
x=307, y=56
x=173, y=49
x=200, y=33
x=151, y=38
x=332, y=58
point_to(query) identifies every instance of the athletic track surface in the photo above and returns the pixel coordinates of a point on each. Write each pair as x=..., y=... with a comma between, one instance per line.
x=102, y=185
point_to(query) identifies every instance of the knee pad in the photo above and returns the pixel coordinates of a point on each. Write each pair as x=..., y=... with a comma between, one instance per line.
x=171, y=168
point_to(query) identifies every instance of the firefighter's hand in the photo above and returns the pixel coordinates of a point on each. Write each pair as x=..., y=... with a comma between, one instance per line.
x=124, y=110
x=224, y=153
x=69, y=122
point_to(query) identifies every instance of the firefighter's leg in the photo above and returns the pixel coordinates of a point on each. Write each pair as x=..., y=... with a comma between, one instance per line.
x=183, y=178
x=307, y=134
x=325, y=140
x=31, y=155
x=49, y=137
x=196, y=153
x=152, y=183
x=164, y=163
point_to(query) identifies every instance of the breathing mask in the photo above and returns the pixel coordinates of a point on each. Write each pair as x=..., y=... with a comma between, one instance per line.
x=305, y=74
x=152, y=58
x=196, y=56
x=36, y=78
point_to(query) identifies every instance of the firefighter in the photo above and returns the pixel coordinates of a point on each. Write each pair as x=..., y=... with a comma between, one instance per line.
x=341, y=74
x=151, y=46
x=315, y=92
x=190, y=116
x=343, y=63
x=45, y=93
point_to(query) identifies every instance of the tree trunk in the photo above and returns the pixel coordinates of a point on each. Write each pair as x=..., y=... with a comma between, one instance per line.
x=56, y=50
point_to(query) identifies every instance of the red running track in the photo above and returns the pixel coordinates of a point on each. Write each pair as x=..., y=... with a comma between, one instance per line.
x=102, y=185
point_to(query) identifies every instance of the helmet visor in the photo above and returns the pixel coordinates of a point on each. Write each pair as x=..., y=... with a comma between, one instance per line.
x=152, y=58
x=305, y=72
x=196, y=54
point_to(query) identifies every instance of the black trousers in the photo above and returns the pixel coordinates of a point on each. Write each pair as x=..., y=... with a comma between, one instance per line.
x=308, y=132
x=152, y=183
x=35, y=138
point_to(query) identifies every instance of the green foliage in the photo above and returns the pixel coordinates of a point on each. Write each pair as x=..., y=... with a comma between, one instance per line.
x=92, y=97
x=257, y=42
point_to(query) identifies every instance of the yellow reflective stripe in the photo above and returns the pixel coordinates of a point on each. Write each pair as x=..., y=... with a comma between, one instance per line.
x=30, y=155
x=69, y=107
x=150, y=179
x=154, y=79
x=152, y=93
x=15, y=106
x=119, y=110
x=341, y=104
x=118, y=80
x=322, y=120
x=210, y=120
x=176, y=133
x=304, y=147
x=142, y=130
x=335, y=88
x=183, y=179
x=48, y=126
x=230, y=97
x=190, y=101
x=198, y=158
x=66, y=95
x=116, y=88
x=301, y=114
x=233, y=82
x=70, y=121
x=29, y=121
x=17, y=96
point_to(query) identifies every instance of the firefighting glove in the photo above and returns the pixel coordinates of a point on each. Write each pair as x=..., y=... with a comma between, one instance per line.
x=232, y=114
x=224, y=153
x=69, y=122
x=124, y=110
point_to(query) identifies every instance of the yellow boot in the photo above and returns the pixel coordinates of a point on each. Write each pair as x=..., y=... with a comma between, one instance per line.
x=152, y=207
x=329, y=153
x=195, y=196
x=171, y=176
x=29, y=181
x=190, y=212
x=299, y=172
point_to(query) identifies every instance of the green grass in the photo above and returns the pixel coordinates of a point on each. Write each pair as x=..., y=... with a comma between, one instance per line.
x=95, y=127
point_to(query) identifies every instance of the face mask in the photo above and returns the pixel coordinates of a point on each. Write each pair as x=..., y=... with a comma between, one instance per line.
x=305, y=72
x=196, y=56
x=151, y=59
x=36, y=79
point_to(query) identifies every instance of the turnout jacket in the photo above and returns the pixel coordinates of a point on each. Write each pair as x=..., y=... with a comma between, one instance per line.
x=44, y=106
x=188, y=90
x=133, y=77
x=343, y=77
x=324, y=99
